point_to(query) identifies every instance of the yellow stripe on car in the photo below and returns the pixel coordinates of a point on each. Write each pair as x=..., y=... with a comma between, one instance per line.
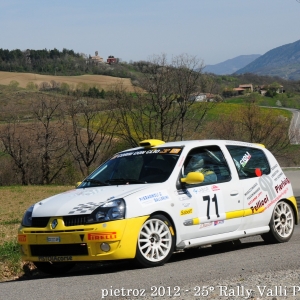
x=228, y=215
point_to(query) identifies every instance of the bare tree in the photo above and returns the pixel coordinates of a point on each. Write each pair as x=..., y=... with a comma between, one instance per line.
x=165, y=109
x=251, y=123
x=49, y=138
x=93, y=131
x=16, y=143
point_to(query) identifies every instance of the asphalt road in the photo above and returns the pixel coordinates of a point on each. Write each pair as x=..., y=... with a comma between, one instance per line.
x=294, y=130
x=185, y=270
x=294, y=176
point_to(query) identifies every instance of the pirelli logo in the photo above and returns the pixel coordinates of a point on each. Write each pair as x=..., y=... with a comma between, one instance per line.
x=22, y=238
x=102, y=236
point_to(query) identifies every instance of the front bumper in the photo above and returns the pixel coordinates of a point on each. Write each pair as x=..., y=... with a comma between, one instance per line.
x=81, y=243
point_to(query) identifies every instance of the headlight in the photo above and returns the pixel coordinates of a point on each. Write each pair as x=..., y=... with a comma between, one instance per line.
x=27, y=218
x=109, y=211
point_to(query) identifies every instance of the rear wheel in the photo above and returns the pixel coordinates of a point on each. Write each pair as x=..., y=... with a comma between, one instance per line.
x=281, y=225
x=156, y=241
x=54, y=268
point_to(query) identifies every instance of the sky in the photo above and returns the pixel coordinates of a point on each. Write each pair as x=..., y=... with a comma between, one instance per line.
x=133, y=30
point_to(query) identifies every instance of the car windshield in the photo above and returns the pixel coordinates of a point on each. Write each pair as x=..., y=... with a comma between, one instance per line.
x=135, y=167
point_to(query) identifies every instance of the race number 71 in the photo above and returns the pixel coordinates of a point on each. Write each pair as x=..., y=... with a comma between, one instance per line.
x=213, y=199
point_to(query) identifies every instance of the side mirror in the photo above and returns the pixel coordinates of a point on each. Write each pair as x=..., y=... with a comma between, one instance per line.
x=193, y=178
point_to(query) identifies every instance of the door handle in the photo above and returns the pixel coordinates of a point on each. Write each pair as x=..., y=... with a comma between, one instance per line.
x=234, y=193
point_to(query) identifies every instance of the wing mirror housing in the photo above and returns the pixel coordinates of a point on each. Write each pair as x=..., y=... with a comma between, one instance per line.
x=78, y=184
x=193, y=178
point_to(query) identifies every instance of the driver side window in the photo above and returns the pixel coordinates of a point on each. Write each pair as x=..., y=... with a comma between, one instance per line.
x=210, y=162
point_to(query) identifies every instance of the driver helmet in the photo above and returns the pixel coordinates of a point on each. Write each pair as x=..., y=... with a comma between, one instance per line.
x=195, y=164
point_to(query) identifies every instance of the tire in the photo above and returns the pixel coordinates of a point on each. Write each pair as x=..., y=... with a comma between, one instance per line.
x=281, y=225
x=156, y=242
x=54, y=268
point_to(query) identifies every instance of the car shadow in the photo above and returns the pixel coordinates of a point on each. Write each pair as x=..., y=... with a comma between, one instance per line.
x=213, y=250
x=84, y=269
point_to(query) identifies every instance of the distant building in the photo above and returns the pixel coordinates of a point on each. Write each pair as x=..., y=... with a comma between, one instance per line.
x=247, y=87
x=198, y=97
x=202, y=97
x=262, y=89
x=239, y=90
x=112, y=60
x=96, y=59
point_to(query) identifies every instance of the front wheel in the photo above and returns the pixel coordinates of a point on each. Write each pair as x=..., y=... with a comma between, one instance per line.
x=156, y=241
x=281, y=225
x=54, y=268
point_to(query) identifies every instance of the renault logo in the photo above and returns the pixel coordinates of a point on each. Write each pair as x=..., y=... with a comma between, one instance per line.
x=54, y=224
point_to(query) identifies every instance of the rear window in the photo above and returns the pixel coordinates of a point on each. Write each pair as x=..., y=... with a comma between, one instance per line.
x=249, y=162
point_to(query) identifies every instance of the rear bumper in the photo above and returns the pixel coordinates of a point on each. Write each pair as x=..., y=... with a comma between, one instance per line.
x=81, y=243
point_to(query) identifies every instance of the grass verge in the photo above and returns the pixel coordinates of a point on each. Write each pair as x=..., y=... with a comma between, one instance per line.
x=14, y=200
x=10, y=261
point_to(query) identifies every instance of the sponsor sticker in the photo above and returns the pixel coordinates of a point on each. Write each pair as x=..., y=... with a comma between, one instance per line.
x=266, y=184
x=201, y=190
x=204, y=225
x=245, y=159
x=215, y=188
x=22, y=238
x=186, y=211
x=154, y=198
x=260, y=203
x=255, y=198
x=100, y=236
x=218, y=222
x=175, y=150
x=280, y=186
x=150, y=151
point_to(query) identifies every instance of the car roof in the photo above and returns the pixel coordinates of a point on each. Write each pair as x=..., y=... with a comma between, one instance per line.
x=196, y=143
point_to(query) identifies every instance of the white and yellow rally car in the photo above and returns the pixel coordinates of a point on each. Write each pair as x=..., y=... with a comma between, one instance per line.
x=145, y=203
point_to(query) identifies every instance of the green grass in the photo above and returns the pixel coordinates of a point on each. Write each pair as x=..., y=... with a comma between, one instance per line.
x=14, y=200
x=10, y=260
x=233, y=108
x=288, y=100
x=13, y=221
x=10, y=251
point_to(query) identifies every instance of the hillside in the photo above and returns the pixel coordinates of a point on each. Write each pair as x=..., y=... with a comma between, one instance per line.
x=102, y=81
x=283, y=61
x=231, y=65
x=62, y=63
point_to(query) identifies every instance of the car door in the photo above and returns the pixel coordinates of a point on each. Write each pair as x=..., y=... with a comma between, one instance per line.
x=255, y=178
x=217, y=202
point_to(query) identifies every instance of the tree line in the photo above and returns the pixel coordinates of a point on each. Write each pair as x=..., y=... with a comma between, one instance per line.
x=55, y=62
x=65, y=137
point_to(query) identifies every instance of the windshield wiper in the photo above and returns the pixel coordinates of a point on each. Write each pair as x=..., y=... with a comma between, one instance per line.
x=125, y=180
x=95, y=181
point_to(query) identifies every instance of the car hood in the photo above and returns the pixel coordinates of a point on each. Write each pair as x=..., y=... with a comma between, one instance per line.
x=82, y=201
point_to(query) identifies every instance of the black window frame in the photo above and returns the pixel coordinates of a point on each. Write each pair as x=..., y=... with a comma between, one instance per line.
x=249, y=167
x=221, y=168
